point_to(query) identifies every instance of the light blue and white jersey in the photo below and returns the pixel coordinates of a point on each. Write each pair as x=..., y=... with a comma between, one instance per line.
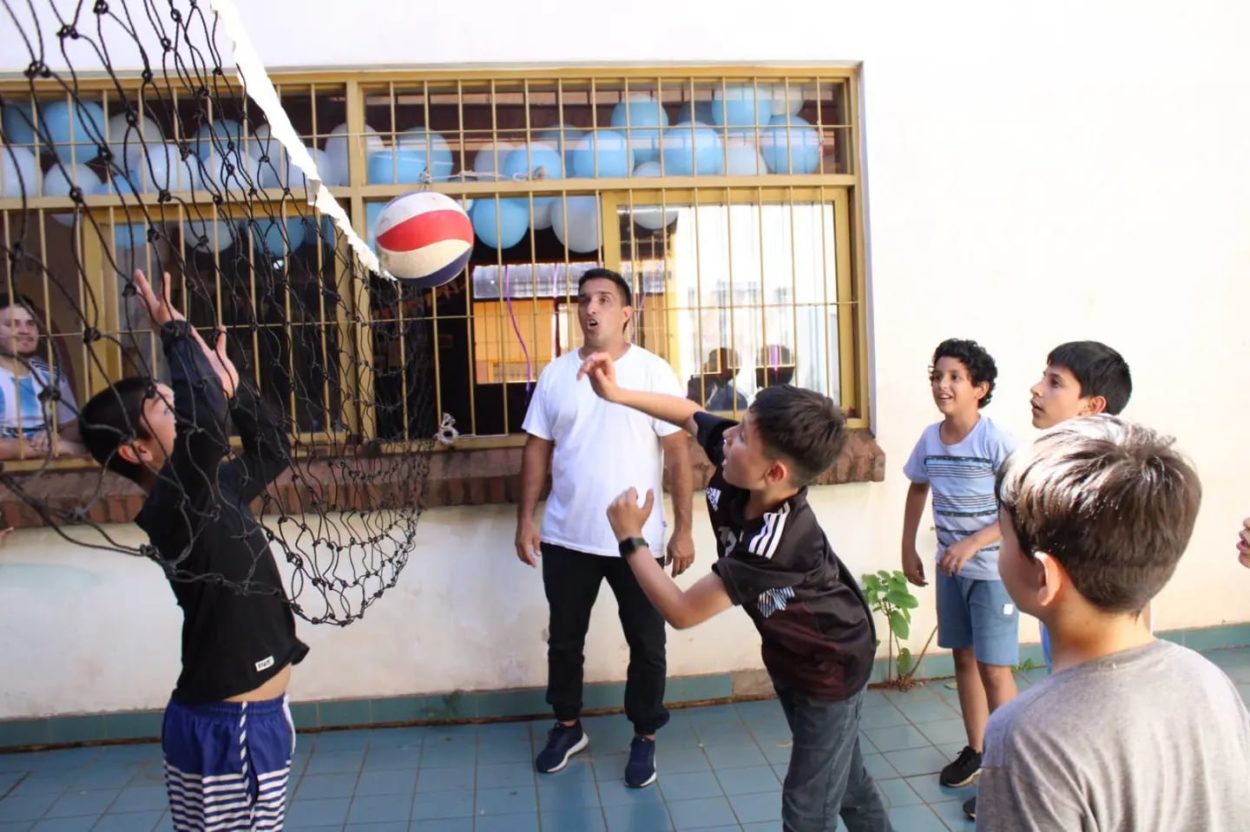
x=21, y=411
x=961, y=477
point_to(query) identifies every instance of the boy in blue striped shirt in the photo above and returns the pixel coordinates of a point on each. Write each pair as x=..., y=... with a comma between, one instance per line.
x=958, y=458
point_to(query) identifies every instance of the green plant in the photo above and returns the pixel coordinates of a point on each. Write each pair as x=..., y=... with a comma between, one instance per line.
x=889, y=594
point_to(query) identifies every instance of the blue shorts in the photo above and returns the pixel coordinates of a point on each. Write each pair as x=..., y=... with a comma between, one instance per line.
x=978, y=614
x=227, y=764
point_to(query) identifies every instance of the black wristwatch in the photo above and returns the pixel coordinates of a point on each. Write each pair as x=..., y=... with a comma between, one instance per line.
x=631, y=544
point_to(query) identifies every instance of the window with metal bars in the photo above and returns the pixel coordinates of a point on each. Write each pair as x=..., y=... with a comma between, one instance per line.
x=730, y=198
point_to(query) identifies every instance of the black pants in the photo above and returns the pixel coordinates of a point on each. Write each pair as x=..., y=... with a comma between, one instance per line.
x=572, y=581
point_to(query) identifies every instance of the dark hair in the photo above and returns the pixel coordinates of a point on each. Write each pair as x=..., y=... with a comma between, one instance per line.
x=802, y=426
x=1100, y=370
x=114, y=417
x=1111, y=501
x=626, y=293
x=980, y=364
x=7, y=300
x=774, y=366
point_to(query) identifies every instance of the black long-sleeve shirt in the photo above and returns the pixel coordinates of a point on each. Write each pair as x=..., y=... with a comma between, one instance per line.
x=198, y=516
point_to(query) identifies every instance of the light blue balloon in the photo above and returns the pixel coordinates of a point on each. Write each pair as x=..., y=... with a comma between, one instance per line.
x=692, y=150
x=790, y=145
x=428, y=144
x=532, y=161
x=227, y=132
x=505, y=229
x=741, y=106
x=562, y=138
x=373, y=210
x=391, y=167
x=609, y=147
x=646, y=118
x=268, y=237
x=19, y=123
x=700, y=111
x=76, y=131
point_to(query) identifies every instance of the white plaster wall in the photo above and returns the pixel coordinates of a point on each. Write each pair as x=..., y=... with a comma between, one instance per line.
x=1036, y=173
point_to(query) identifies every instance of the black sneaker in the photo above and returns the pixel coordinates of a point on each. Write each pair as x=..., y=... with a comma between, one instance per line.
x=970, y=808
x=963, y=771
x=563, y=742
x=640, y=770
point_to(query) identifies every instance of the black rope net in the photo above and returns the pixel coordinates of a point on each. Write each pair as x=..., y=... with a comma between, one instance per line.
x=167, y=166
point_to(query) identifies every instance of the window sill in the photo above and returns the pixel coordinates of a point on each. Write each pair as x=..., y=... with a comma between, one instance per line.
x=458, y=476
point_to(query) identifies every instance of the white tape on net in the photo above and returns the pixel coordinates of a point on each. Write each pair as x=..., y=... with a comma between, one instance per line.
x=261, y=90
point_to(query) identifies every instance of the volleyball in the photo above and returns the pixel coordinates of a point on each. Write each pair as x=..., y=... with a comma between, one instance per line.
x=425, y=238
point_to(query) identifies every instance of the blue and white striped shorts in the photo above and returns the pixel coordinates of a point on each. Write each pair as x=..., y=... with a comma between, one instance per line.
x=227, y=764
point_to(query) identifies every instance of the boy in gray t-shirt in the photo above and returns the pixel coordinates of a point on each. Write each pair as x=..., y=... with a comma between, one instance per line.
x=1130, y=733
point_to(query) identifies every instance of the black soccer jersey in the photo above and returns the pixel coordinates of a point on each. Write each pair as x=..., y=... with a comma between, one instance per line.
x=817, y=632
x=199, y=518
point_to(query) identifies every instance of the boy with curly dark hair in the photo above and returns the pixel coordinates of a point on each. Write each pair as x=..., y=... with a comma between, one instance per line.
x=959, y=458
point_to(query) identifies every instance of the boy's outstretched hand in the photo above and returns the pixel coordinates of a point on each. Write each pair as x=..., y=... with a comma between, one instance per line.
x=626, y=516
x=598, y=367
x=1243, y=544
x=162, y=311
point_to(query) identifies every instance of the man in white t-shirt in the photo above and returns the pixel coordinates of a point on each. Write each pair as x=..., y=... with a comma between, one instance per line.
x=594, y=449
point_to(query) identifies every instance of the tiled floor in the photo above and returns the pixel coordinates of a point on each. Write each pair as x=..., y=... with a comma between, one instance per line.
x=720, y=769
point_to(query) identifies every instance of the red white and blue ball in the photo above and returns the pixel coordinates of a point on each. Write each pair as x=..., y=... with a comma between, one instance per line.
x=425, y=238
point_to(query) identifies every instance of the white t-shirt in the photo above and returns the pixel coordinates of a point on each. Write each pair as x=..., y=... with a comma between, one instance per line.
x=601, y=449
x=21, y=412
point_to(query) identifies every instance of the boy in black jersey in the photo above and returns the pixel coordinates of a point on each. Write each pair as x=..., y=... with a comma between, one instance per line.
x=775, y=561
x=227, y=737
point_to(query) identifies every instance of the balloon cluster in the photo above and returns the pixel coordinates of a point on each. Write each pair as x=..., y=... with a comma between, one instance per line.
x=744, y=130
x=77, y=142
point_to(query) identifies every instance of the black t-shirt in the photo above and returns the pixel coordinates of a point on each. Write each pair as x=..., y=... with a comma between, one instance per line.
x=817, y=632
x=199, y=518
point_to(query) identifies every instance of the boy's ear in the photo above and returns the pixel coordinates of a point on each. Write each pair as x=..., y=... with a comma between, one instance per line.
x=982, y=389
x=1095, y=405
x=1051, y=578
x=136, y=452
x=129, y=453
x=778, y=472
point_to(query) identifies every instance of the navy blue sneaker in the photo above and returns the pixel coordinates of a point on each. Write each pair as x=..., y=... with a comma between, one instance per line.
x=640, y=770
x=563, y=742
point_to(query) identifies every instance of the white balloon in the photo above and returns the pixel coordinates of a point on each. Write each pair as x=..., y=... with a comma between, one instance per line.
x=124, y=140
x=18, y=170
x=652, y=216
x=55, y=183
x=743, y=157
x=580, y=231
x=337, y=170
